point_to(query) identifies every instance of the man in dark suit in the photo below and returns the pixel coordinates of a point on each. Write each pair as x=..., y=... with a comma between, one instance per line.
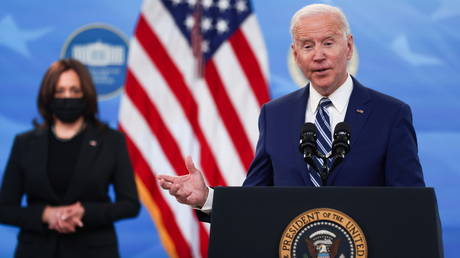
x=383, y=148
x=383, y=143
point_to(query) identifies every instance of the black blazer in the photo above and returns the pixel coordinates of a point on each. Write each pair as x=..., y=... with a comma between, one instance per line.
x=103, y=160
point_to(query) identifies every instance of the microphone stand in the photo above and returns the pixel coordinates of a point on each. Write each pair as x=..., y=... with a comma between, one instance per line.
x=324, y=170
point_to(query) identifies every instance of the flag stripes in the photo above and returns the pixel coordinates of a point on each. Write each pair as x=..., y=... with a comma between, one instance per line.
x=143, y=171
x=250, y=66
x=236, y=85
x=174, y=80
x=169, y=110
x=228, y=115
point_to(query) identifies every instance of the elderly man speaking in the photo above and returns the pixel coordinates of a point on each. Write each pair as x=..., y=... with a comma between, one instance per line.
x=383, y=148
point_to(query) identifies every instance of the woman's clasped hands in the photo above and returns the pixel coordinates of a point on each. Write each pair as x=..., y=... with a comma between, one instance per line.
x=64, y=219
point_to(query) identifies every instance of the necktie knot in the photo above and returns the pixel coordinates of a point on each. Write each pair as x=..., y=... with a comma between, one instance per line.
x=325, y=102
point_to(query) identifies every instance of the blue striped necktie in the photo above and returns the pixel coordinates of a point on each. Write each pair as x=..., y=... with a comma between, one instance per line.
x=324, y=137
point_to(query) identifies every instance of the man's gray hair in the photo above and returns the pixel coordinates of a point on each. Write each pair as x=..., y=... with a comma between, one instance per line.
x=315, y=9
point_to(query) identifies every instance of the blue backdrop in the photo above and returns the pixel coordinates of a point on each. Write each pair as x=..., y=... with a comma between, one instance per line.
x=407, y=48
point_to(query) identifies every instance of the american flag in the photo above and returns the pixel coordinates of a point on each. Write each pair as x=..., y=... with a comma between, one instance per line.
x=197, y=77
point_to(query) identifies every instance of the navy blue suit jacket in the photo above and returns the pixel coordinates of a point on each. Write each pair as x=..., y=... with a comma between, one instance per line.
x=383, y=149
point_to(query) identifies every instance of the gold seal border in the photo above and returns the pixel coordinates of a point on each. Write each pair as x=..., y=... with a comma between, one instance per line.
x=325, y=214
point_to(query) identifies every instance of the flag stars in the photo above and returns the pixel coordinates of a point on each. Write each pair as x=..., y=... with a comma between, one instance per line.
x=206, y=3
x=206, y=24
x=222, y=26
x=241, y=6
x=223, y=5
x=192, y=3
x=205, y=46
x=189, y=22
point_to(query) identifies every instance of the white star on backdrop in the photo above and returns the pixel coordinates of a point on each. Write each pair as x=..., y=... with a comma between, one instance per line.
x=15, y=38
x=401, y=47
x=447, y=9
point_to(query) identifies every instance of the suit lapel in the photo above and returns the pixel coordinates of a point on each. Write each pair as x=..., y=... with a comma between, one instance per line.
x=88, y=152
x=298, y=108
x=39, y=162
x=359, y=109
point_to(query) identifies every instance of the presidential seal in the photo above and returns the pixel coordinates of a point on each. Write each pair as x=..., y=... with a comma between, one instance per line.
x=323, y=233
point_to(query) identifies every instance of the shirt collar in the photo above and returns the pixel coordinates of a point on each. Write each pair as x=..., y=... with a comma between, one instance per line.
x=339, y=97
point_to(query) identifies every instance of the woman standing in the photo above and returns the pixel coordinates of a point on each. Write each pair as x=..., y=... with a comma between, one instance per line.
x=64, y=167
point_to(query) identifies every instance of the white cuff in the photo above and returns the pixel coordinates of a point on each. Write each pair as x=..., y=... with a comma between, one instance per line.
x=207, y=207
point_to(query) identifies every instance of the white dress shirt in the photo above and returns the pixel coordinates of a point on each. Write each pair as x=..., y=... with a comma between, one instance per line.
x=337, y=110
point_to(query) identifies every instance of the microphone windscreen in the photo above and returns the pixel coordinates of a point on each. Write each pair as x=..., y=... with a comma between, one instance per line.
x=342, y=127
x=309, y=127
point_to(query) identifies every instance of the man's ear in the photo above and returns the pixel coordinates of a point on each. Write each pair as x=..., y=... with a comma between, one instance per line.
x=349, y=47
x=294, y=52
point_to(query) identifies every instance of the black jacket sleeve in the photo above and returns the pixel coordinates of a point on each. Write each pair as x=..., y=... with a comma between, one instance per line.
x=11, y=193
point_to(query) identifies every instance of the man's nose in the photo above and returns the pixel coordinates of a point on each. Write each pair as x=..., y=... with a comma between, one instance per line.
x=319, y=54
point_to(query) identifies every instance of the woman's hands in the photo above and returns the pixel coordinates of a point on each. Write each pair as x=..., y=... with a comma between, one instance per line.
x=64, y=219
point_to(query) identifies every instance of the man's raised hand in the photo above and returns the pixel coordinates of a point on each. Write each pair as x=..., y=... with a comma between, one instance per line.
x=189, y=189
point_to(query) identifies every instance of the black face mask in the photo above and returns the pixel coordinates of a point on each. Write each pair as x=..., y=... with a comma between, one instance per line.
x=67, y=110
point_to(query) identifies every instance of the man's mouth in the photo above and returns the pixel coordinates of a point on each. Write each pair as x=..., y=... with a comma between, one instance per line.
x=320, y=70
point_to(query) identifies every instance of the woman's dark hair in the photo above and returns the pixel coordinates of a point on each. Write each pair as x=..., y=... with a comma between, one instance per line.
x=48, y=88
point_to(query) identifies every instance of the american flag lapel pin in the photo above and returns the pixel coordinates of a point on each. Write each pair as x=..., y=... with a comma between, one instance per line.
x=360, y=111
x=93, y=143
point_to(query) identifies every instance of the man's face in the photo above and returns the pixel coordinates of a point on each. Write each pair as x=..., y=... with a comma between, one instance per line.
x=322, y=51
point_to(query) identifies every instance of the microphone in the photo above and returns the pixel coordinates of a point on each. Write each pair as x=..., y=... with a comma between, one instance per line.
x=307, y=144
x=341, y=144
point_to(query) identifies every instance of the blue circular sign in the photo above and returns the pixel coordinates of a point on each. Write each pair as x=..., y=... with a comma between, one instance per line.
x=104, y=51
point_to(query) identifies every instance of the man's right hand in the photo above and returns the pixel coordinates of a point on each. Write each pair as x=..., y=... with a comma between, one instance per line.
x=188, y=189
